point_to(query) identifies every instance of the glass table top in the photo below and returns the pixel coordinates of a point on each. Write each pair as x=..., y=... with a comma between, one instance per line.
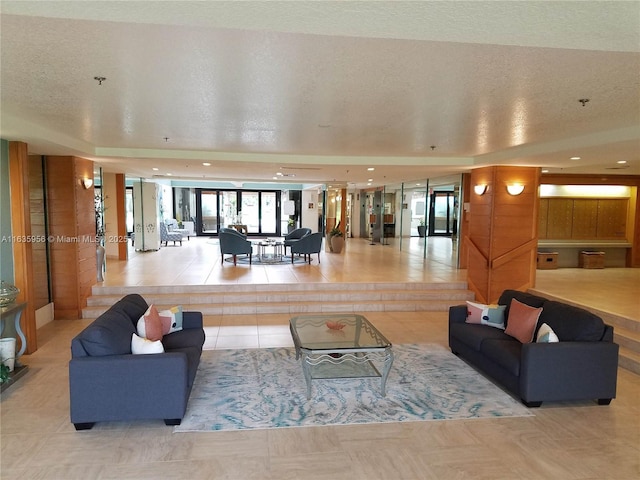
x=336, y=332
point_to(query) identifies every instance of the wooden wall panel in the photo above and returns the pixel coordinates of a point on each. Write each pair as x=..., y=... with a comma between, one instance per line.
x=542, y=218
x=560, y=218
x=21, y=227
x=612, y=218
x=39, y=231
x=72, y=224
x=510, y=225
x=585, y=218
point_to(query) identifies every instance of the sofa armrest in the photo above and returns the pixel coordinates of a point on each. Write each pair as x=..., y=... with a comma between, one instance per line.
x=191, y=319
x=458, y=314
x=118, y=387
x=568, y=371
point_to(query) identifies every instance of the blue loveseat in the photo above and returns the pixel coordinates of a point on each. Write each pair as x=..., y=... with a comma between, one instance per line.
x=109, y=383
x=583, y=365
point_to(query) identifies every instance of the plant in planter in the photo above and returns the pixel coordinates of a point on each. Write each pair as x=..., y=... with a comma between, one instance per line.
x=336, y=239
x=291, y=225
x=5, y=373
x=422, y=229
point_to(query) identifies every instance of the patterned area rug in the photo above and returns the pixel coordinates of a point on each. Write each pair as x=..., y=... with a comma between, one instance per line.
x=255, y=260
x=265, y=388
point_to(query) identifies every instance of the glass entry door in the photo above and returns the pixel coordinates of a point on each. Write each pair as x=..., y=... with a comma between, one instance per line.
x=208, y=213
x=441, y=214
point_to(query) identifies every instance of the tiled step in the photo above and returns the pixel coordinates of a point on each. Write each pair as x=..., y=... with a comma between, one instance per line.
x=291, y=299
x=629, y=359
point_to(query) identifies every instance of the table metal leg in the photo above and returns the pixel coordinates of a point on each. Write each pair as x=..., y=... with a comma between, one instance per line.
x=388, y=361
x=306, y=369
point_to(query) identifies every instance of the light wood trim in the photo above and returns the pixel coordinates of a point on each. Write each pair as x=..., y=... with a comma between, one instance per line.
x=21, y=227
x=473, y=249
x=512, y=254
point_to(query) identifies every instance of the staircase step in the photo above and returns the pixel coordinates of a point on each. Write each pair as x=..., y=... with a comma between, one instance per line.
x=290, y=299
x=629, y=360
x=627, y=338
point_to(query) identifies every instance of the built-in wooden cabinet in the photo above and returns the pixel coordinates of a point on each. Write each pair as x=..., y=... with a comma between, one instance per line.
x=583, y=218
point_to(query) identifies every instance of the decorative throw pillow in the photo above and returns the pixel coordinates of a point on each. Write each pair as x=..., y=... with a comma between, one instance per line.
x=173, y=317
x=153, y=326
x=491, y=315
x=546, y=335
x=522, y=321
x=143, y=346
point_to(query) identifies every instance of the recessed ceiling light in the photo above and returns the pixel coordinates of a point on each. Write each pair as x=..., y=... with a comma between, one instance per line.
x=280, y=174
x=621, y=162
x=370, y=180
x=545, y=171
x=575, y=158
x=371, y=169
x=206, y=164
x=275, y=178
x=169, y=174
x=155, y=169
x=369, y=183
x=417, y=184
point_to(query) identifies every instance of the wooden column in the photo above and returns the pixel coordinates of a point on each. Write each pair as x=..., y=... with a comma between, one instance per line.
x=502, y=239
x=121, y=192
x=73, y=229
x=21, y=228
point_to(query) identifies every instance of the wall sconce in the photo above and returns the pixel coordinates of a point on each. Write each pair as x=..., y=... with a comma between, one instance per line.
x=515, y=188
x=480, y=189
x=87, y=183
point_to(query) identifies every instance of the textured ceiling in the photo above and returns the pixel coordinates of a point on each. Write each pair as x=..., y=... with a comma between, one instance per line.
x=318, y=91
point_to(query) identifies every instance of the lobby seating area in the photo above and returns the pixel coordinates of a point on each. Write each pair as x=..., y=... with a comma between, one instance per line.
x=578, y=440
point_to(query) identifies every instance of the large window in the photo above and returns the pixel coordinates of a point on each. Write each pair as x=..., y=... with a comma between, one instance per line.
x=258, y=211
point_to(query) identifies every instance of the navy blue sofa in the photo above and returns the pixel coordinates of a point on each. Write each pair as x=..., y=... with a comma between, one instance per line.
x=583, y=365
x=108, y=383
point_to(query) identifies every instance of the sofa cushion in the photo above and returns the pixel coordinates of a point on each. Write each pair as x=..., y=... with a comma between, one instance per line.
x=174, y=314
x=505, y=353
x=546, y=334
x=572, y=324
x=184, y=338
x=132, y=305
x=109, y=334
x=526, y=298
x=490, y=315
x=152, y=325
x=473, y=335
x=144, y=346
x=523, y=320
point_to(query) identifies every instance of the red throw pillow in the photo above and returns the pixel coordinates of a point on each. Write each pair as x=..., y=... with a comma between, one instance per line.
x=522, y=321
x=152, y=325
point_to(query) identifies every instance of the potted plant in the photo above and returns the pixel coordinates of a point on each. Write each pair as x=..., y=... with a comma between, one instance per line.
x=291, y=225
x=336, y=239
x=422, y=229
x=5, y=373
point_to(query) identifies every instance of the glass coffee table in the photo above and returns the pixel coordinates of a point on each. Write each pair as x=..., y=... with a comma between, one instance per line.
x=340, y=346
x=275, y=255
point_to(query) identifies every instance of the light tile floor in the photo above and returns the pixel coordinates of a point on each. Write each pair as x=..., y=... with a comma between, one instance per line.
x=579, y=441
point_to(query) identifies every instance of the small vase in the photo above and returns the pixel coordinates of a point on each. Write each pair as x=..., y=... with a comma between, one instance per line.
x=100, y=251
